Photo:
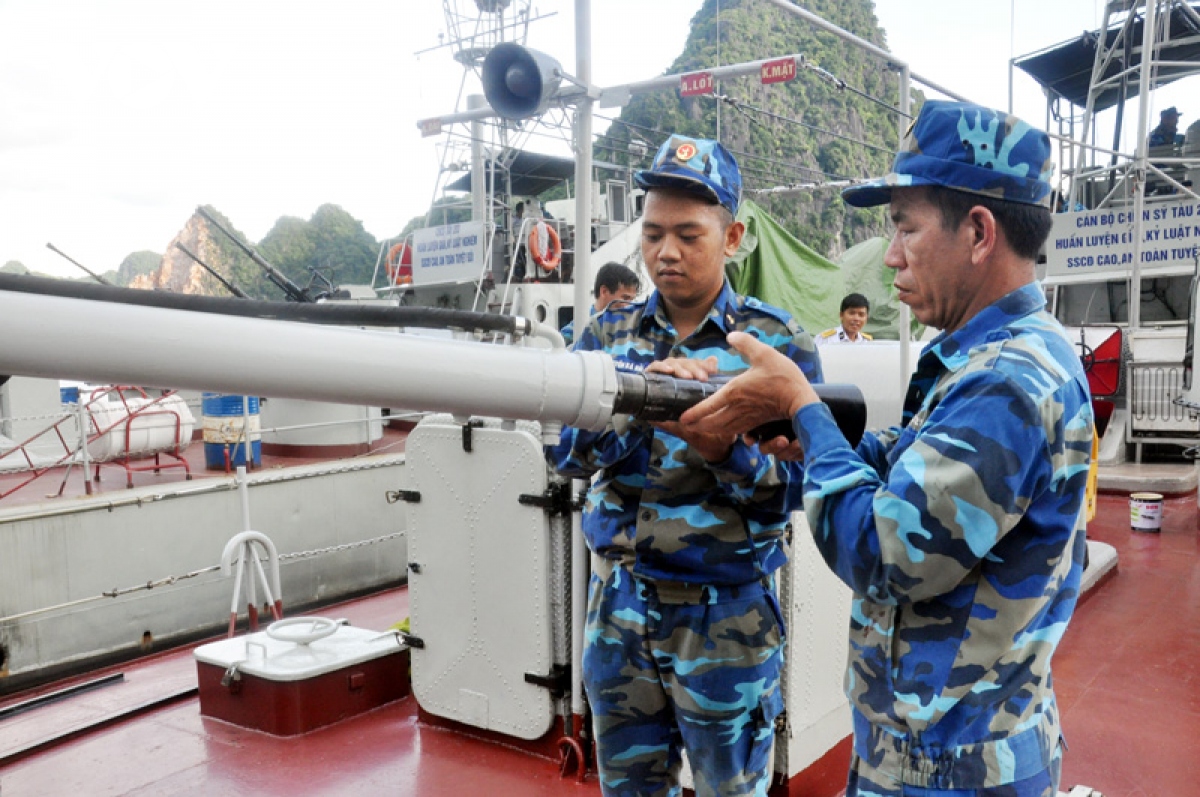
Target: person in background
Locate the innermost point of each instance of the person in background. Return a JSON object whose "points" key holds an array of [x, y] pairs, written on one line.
{"points": [[961, 532], [684, 632], [614, 283], [854, 313], [1167, 131], [520, 258]]}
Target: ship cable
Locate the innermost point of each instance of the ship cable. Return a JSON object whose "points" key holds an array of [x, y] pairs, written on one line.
{"points": [[743, 106], [741, 154], [167, 581], [774, 174]]}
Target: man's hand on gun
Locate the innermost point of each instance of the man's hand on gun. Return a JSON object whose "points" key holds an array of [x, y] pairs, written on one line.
{"points": [[772, 389], [713, 444]]}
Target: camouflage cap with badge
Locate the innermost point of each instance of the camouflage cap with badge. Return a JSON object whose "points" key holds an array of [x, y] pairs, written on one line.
{"points": [[698, 166], [968, 148]]}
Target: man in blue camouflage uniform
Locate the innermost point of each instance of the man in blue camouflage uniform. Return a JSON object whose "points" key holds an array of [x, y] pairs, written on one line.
{"points": [[615, 282], [961, 531], [684, 639], [1167, 132]]}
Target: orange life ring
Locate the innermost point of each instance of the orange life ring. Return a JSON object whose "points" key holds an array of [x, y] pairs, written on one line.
{"points": [[398, 264], [549, 259]]}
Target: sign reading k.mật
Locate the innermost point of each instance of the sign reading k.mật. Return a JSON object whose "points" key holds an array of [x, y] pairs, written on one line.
{"points": [[780, 70], [448, 254], [1100, 242]]}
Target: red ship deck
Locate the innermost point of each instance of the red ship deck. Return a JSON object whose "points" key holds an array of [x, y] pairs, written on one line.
{"points": [[1127, 674]]}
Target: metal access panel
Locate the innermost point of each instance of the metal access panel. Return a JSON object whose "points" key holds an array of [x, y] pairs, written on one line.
{"points": [[479, 575], [816, 609]]}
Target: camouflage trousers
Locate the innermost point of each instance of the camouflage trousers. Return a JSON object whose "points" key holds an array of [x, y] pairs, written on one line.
{"points": [[866, 781], [671, 666]]}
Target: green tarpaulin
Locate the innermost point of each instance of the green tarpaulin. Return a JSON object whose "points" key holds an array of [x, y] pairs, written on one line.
{"points": [[774, 266]]}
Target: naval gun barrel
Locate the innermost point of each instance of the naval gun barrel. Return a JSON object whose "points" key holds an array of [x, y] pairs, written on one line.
{"points": [[76, 263], [229, 286], [63, 330], [293, 291], [114, 342]]}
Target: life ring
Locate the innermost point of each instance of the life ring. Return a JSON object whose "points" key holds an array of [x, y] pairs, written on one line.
{"points": [[398, 264], [549, 259]]}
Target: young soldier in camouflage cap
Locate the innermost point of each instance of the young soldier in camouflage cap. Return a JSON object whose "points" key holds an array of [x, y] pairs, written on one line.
{"points": [[684, 635], [961, 531]]}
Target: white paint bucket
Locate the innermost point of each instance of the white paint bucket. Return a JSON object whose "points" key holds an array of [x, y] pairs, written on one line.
{"points": [[1145, 511]]}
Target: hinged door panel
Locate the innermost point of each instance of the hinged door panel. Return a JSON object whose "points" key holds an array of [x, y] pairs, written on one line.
{"points": [[479, 596]]}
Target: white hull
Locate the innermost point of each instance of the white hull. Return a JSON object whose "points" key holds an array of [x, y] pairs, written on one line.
{"points": [[72, 549]]}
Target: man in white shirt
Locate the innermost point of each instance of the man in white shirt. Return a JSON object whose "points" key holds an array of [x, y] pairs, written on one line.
{"points": [[854, 314]]}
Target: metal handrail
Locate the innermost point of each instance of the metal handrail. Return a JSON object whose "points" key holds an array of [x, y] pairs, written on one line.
{"points": [[1150, 396], [84, 438]]}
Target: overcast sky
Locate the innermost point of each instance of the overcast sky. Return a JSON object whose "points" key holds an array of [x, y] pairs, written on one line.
{"points": [[119, 117]]}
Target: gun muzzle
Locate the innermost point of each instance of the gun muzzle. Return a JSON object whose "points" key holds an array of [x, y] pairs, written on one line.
{"points": [[659, 397]]}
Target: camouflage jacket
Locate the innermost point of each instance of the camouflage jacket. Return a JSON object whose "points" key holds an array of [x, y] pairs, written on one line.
{"points": [[657, 505], [961, 534]]}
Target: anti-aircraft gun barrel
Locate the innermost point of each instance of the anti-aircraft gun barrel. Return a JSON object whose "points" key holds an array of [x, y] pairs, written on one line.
{"points": [[293, 291], [235, 290]]}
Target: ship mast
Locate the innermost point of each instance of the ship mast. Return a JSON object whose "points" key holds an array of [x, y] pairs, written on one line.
{"points": [[473, 28]]}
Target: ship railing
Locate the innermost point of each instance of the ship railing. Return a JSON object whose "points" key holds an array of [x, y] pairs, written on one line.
{"points": [[88, 431], [412, 417], [1154, 417], [166, 581], [391, 272], [485, 267], [509, 295], [1166, 179]]}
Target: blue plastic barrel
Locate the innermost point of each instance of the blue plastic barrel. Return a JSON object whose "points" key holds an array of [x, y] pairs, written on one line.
{"points": [[224, 416]]}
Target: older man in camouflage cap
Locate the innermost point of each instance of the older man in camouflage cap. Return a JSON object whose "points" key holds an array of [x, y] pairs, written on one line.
{"points": [[961, 531], [684, 640]]}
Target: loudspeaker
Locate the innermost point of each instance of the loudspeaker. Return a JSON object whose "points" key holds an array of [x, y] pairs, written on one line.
{"points": [[519, 82]]}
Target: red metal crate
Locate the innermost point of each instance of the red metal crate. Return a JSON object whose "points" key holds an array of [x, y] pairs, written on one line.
{"points": [[286, 689]]}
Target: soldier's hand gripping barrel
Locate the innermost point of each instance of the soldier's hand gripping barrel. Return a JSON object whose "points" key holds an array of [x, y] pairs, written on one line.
{"points": [[660, 397]]}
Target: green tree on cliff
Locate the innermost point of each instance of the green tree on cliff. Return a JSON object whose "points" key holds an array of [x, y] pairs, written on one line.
{"points": [[803, 131]]}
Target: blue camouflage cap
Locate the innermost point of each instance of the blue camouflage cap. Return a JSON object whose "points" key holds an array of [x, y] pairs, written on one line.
{"points": [[698, 166], [967, 148]]}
